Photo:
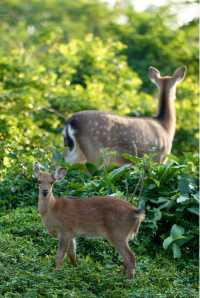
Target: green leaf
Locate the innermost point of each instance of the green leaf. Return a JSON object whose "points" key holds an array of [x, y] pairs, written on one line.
{"points": [[92, 169], [186, 185], [184, 240], [151, 186], [167, 242], [182, 199], [167, 205], [117, 173], [176, 231], [196, 197], [57, 155], [176, 251], [159, 200], [194, 210], [130, 157]]}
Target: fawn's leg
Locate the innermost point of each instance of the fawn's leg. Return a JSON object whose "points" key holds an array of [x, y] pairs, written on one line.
{"points": [[71, 251], [128, 256], [61, 250]]}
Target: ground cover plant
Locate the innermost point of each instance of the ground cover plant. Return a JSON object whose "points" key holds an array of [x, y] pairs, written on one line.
{"points": [[53, 63]]}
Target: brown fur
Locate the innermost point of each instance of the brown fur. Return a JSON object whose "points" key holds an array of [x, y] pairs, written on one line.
{"points": [[94, 131], [112, 218]]}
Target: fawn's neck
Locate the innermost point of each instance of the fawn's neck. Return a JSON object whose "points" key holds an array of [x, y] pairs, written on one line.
{"points": [[166, 111]]}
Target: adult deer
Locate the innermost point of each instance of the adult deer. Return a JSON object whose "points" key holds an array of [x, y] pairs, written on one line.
{"points": [[86, 133], [114, 219]]}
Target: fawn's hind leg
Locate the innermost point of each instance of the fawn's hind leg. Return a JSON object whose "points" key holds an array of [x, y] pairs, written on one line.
{"points": [[66, 244], [128, 256], [71, 251]]}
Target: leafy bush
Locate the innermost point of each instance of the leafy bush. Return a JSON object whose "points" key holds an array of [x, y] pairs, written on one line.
{"points": [[53, 71]]}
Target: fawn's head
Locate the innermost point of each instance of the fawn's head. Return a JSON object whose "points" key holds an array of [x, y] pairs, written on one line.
{"points": [[167, 82], [46, 180]]}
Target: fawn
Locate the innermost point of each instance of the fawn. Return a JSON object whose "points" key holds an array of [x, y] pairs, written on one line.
{"points": [[86, 133], [67, 218]]}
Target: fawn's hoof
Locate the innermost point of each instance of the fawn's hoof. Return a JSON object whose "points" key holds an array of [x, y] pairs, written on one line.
{"points": [[57, 269], [130, 274]]}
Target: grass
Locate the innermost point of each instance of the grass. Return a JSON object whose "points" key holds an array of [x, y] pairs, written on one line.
{"points": [[27, 256]]}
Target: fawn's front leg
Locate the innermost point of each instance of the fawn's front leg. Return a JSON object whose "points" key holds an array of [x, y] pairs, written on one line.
{"points": [[61, 250], [52, 232]]}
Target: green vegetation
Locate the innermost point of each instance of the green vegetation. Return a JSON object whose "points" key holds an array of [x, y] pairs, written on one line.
{"points": [[58, 57]]}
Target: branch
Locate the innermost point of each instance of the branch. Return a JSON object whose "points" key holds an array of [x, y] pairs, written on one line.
{"points": [[51, 110]]}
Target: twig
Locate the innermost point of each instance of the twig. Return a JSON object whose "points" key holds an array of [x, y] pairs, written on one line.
{"points": [[51, 110]]}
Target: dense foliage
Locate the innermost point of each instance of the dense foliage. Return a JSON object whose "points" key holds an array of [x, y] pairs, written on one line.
{"points": [[59, 57]]}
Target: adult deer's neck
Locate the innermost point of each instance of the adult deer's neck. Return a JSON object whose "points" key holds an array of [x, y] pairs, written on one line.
{"points": [[44, 203], [166, 111]]}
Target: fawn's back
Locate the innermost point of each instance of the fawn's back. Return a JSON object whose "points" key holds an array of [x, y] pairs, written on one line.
{"points": [[93, 216]]}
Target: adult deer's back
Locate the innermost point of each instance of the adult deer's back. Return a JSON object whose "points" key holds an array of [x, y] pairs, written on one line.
{"points": [[88, 132]]}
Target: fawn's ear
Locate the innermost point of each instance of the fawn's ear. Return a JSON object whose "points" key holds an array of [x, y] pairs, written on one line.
{"points": [[36, 169], [179, 74], [154, 75], [59, 173]]}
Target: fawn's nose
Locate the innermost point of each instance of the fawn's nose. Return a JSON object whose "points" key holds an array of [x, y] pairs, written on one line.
{"points": [[45, 192]]}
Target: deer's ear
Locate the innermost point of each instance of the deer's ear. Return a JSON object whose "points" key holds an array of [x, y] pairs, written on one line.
{"points": [[154, 75], [179, 74], [36, 169], [59, 173]]}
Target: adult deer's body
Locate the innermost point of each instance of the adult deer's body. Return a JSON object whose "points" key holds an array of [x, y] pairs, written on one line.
{"points": [[87, 132], [114, 219]]}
